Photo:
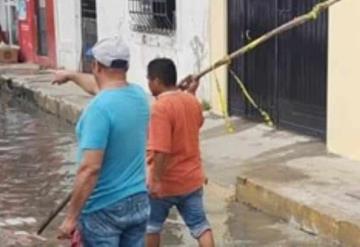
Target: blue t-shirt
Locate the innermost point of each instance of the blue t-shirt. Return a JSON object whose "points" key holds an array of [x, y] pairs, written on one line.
{"points": [[116, 122]]}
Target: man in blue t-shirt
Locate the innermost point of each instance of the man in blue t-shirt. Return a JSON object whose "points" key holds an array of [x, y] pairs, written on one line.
{"points": [[109, 204]]}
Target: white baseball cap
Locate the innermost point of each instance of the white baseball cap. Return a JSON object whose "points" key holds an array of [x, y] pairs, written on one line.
{"points": [[111, 52]]}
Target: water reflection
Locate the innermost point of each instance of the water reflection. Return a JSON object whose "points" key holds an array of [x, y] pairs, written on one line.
{"points": [[37, 154]]}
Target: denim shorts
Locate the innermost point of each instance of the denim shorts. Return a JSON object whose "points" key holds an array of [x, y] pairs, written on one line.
{"points": [[190, 207], [121, 224]]}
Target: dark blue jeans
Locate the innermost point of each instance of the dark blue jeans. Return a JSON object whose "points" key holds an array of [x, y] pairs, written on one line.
{"points": [[122, 224]]}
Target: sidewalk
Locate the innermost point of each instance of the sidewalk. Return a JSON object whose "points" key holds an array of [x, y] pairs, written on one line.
{"points": [[281, 173], [303, 183], [291, 177]]}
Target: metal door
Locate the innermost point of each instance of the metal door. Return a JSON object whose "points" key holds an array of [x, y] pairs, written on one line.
{"points": [[287, 75], [303, 71], [236, 39], [258, 68], [261, 63]]}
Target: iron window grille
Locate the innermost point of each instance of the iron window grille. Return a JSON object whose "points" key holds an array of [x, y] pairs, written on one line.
{"points": [[153, 16]]}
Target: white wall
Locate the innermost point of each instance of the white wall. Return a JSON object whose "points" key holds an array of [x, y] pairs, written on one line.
{"points": [[3, 20], [68, 33], [189, 47]]}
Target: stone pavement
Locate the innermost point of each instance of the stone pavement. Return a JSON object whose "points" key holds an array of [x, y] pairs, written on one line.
{"points": [[286, 175]]}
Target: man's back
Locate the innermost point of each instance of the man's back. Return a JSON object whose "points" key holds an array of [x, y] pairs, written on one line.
{"points": [[175, 123], [117, 120]]}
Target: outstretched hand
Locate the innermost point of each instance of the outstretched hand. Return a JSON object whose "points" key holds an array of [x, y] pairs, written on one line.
{"points": [[60, 77]]}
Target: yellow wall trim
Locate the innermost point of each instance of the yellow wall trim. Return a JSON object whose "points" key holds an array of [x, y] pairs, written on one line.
{"points": [[218, 49], [344, 80]]}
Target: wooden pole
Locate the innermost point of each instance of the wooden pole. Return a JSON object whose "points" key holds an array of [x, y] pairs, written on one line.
{"points": [[297, 21], [53, 214]]}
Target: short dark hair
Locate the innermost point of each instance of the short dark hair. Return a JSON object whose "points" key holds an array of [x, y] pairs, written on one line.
{"points": [[115, 65], [119, 64], [164, 69]]}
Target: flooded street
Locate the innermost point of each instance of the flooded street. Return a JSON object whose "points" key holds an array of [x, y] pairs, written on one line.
{"points": [[37, 166]]}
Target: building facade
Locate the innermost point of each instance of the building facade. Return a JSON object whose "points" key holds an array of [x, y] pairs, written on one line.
{"points": [[156, 28], [306, 79], [67, 22], [30, 25]]}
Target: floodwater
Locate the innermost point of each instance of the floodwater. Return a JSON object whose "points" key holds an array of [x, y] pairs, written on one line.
{"points": [[37, 153], [37, 166]]}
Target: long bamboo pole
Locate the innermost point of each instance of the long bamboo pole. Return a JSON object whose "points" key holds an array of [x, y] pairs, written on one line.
{"points": [[297, 21]]}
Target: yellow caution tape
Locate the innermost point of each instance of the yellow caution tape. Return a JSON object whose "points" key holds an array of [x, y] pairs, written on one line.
{"points": [[264, 114]]}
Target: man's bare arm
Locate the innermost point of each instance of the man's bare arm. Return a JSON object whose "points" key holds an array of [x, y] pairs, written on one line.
{"points": [[161, 161], [85, 182], [85, 81]]}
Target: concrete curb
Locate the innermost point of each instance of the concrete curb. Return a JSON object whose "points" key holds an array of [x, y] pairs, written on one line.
{"points": [[57, 106], [309, 219]]}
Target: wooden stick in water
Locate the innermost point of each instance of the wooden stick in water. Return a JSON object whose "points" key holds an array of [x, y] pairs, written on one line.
{"points": [[53, 214]]}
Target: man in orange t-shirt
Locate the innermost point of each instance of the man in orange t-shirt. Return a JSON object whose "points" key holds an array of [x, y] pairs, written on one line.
{"points": [[176, 175]]}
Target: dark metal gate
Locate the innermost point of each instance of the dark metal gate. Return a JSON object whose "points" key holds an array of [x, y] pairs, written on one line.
{"points": [[89, 31], [288, 75], [42, 39]]}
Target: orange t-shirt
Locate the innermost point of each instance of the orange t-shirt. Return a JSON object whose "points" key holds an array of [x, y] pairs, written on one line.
{"points": [[175, 123]]}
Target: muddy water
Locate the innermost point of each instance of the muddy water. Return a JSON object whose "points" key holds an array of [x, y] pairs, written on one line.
{"points": [[36, 166]]}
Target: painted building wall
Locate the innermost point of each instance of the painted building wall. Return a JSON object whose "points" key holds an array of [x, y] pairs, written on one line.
{"points": [[3, 19], [344, 80], [68, 33], [218, 49], [188, 47]]}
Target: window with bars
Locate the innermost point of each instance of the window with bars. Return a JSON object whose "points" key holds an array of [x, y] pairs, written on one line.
{"points": [[153, 16]]}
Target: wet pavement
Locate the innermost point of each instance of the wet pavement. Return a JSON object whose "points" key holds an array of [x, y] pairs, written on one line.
{"points": [[36, 167], [237, 224], [37, 154]]}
